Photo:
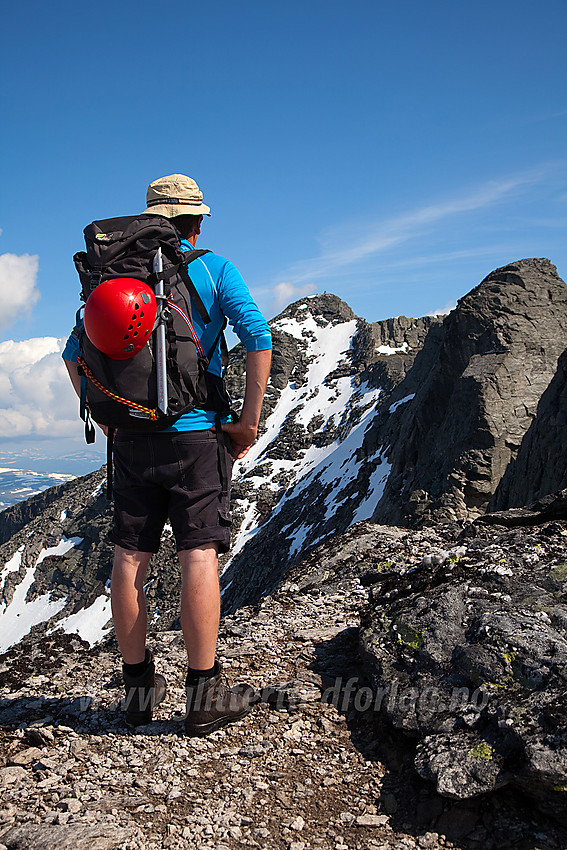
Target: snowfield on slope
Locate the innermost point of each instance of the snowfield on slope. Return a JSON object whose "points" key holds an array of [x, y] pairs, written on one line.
{"points": [[18, 617], [318, 405]]}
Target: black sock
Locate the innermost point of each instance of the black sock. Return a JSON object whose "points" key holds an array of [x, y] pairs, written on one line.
{"points": [[136, 670], [194, 676]]}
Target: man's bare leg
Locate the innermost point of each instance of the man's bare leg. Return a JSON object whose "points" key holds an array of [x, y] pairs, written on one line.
{"points": [[200, 604], [210, 703], [129, 603]]}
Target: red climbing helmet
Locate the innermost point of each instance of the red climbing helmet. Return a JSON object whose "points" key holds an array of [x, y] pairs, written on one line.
{"points": [[119, 316]]}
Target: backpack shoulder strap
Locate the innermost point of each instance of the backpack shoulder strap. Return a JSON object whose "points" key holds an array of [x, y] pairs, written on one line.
{"points": [[189, 256], [193, 255]]}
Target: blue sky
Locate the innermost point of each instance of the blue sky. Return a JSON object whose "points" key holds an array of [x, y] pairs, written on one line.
{"points": [[391, 153]]}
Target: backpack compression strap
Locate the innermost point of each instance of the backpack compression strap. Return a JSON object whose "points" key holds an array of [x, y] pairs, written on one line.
{"points": [[84, 411], [196, 299], [109, 447]]}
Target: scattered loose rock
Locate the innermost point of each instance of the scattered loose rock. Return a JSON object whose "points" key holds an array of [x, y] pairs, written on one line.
{"points": [[313, 765]]}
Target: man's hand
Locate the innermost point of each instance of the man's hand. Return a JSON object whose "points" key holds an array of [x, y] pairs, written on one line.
{"points": [[243, 433], [241, 438]]}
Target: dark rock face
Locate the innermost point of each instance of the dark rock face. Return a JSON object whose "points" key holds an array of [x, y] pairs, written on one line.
{"points": [[550, 507], [540, 466], [499, 349], [467, 651]]}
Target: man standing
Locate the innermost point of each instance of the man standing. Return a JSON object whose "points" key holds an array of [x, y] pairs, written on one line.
{"points": [[178, 473]]}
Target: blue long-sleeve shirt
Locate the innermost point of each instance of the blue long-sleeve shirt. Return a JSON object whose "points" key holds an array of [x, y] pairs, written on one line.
{"points": [[224, 293]]}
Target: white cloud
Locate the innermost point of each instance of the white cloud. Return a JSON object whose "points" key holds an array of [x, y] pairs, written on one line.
{"points": [[388, 233], [18, 290], [36, 396], [481, 251], [443, 311], [285, 293]]}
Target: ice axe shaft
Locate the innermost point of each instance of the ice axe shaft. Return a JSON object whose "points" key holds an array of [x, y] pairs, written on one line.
{"points": [[161, 368]]}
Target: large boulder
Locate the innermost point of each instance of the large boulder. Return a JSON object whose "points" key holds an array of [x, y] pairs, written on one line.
{"points": [[465, 643]]}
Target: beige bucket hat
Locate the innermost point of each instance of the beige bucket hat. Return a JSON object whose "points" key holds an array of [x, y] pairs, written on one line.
{"points": [[175, 195]]}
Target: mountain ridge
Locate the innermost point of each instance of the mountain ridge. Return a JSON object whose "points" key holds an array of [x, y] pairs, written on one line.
{"points": [[366, 421]]}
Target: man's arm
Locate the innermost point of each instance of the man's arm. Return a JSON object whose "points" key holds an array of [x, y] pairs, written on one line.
{"points": [[73, 370], [243, 433]]}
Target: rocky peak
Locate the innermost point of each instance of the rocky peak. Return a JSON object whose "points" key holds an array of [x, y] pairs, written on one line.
{"points": [[323, 309], [497, 354]]}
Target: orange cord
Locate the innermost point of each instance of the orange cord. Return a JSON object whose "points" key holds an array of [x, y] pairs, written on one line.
{"points": [[153, 414]]}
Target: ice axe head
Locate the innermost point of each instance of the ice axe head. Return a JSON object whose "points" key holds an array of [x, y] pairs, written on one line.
{"points": [[119, 316]]}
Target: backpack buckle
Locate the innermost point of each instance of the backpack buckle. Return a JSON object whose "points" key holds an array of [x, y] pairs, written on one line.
{"points": [[95, 278]]}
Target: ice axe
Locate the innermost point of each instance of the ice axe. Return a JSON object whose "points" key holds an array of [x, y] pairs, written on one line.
{"points": [[162, 400]]}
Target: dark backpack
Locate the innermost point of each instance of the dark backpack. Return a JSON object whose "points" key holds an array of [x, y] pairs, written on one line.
{"points": [[123, 393]]}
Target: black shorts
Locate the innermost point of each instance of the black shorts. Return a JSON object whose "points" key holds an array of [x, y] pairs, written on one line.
{"points": [[175, 476]]}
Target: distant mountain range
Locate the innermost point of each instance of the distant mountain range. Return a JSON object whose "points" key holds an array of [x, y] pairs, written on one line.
{"points": [[19, 484], [23, 473]]}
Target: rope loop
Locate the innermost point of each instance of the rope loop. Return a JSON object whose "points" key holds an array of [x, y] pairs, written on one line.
{"points": [[153, 414]]}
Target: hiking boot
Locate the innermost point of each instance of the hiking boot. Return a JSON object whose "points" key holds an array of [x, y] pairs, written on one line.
{"points": [[212, 704], [143, 694]]}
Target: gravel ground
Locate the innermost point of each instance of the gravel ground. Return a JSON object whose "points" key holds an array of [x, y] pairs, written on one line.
{"points": [[306, 769]]}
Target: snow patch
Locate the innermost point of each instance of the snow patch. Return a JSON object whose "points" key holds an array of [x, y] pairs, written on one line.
{"points": [[315, 398], [300, 328], [247, 528], [224, 589], [12, 566], [64, 545], [89, 622], [375, 491], [387, 349], [18, 618], [342, 468], [401, 401]]}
